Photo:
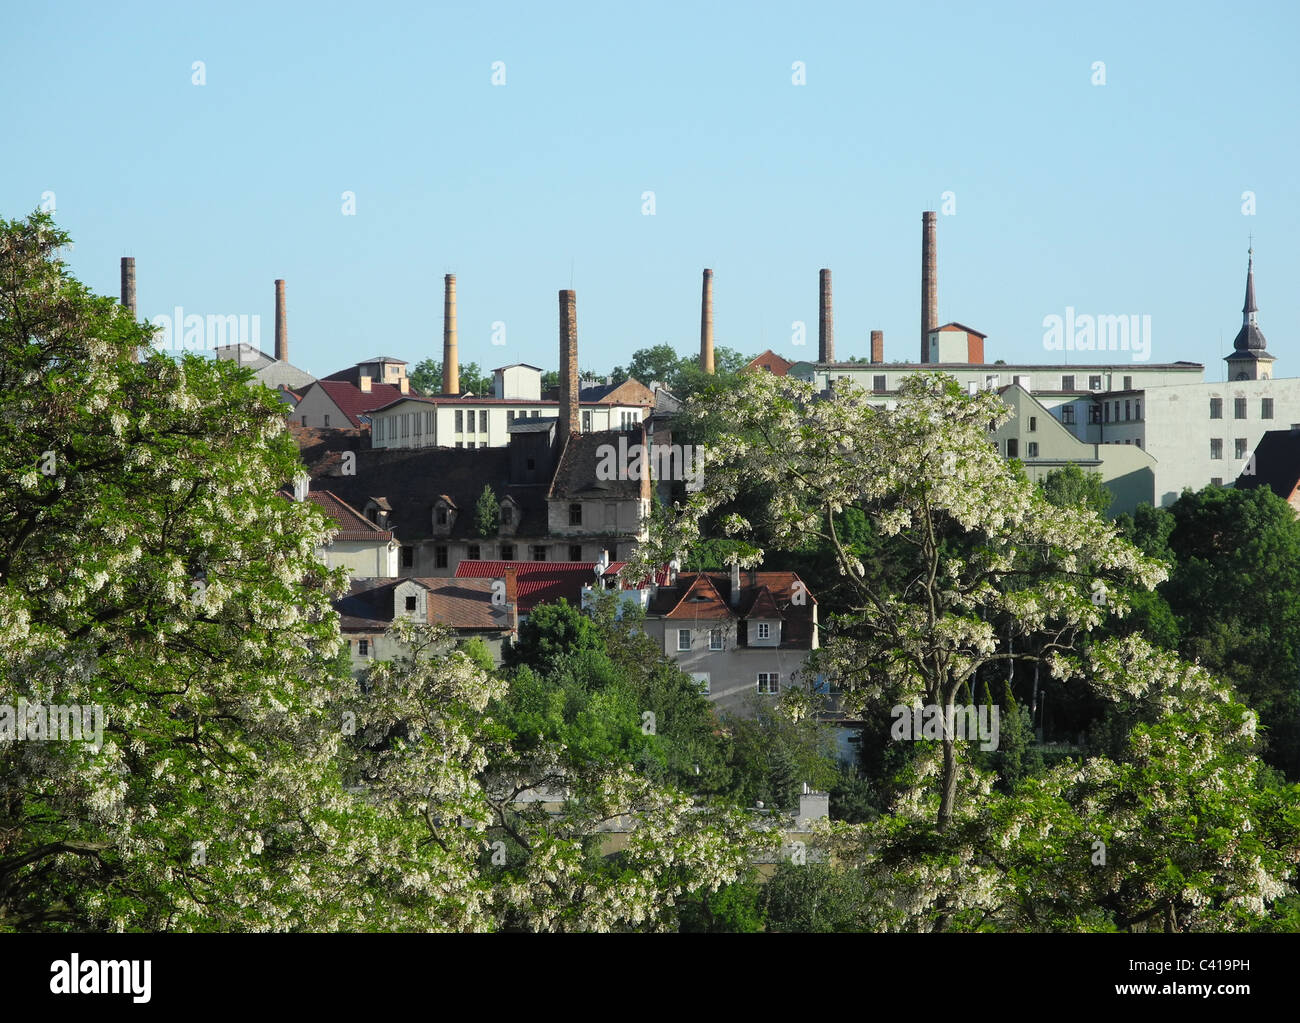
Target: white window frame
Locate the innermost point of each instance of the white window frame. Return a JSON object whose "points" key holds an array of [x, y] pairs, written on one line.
{"points": [[702, 680], [683, 634], [770, 679], [764, 630], [715, 633]]}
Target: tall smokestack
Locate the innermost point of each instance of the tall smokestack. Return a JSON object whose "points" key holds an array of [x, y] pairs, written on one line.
{"points": [[450, 357], [569, 395], [877, 346], [929, 280], [128, 284], [281, 325], [706, 323], [128, 294], [825, 322]]}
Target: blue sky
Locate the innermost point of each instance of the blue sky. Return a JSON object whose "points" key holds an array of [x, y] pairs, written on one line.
{"points": [[1122, 198]]}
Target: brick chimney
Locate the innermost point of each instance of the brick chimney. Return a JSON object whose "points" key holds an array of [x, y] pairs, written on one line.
{"points": [[364, 384], [512, 597], [877, 346], [929, 281], [735, 585], [281, 325], [450, 358], [825, 322], [569, 389], [706, 323]]}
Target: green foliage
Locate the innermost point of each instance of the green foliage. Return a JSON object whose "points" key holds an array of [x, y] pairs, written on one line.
{"points": [[487, 513], [814, 898], [477, 651], [732, 909], [1071, 487], [427, 378], [550, 631], [774, 756]]}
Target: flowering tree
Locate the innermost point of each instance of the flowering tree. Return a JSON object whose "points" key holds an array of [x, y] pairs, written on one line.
{"points": [[151, 567], [985, 571]]}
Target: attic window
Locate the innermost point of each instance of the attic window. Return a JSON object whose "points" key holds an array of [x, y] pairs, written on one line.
{"points": [[410, 603], [440, 516], [507, 515]]}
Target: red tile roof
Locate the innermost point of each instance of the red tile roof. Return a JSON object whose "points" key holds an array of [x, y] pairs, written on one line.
{"points": [[539, 582], [770, 361], [353, 402]]}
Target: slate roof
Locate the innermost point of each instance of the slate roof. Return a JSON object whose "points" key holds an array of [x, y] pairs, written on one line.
{"points": [[575, 476], [412, 480], [767, 595], [539, 582], [351, 524], [458, 603], [1277, 464]]}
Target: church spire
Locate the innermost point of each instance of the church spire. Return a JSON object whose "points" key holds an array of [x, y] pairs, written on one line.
{"points": [[1249, 310]]}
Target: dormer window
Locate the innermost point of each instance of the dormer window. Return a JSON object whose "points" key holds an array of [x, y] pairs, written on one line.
{"points": [[444, 516], [440, 515], [507, 515]]}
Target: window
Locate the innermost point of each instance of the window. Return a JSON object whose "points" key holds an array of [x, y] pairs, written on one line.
{"points": [[1265, 408], [363, 647], [702, 679], [1013, 448], [510, 417], [408, 557], [304, 420], [1117, 411], [1033, 424], [1128, 383], [575, 515], [1138, 441], [1067, 415], [878, 382], [440, 557], [1216, 448], [459, 444], [1216, 408], [715, 639], [539, 552], [1216, 481], [1137, 408], [575, 552], [460, 420], [1094, 414], [611, 514], [683, 639], [1094, 383], [769, 682], [1033, 449], [586, 422], [991, 381], [482, 421], [507, 515], [472, 552], [469, 425], [1067, 383], [764, 630], [1128, 409], [1238, 408], [1239, 447], [1106, 406], [440, 515], [536, 413], [327, 420], [410, 603], [507, 552]]}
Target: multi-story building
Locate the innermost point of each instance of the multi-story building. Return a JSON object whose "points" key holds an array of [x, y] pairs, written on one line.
{"points": [[1195, 432]]}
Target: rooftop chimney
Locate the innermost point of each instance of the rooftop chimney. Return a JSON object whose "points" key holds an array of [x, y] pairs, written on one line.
{"points": [[735, 585], [877, 346], [364, 384], [512, 596], [450, 358], [281, 325], [929, 281], [825, 325], [706, 323], [569, 390]]}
